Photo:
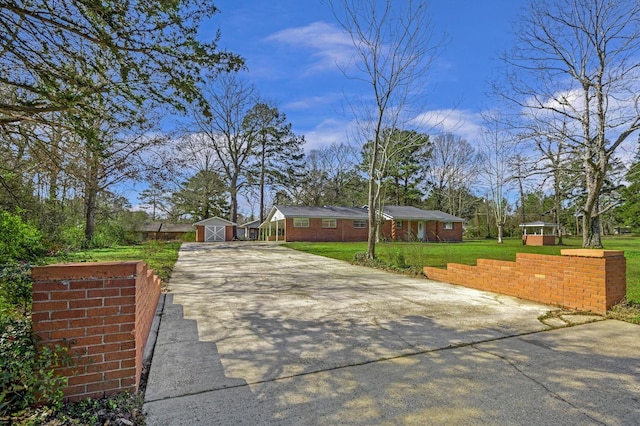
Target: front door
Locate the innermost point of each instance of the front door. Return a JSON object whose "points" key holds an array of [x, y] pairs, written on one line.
{"points": [[421, 230], [214, 233]]}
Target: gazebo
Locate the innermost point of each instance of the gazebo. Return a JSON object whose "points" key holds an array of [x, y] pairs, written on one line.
{"points": [[543, 233]]}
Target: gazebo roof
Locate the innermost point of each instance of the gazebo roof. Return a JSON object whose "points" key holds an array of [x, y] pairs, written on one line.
{"points": [[538, 224]]}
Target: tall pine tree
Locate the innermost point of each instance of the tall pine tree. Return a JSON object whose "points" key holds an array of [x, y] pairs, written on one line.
{"points": [[278, 151]]}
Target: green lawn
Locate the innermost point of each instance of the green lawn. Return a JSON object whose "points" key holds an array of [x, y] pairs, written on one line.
{"points": [[159, 256], [417, 255]]}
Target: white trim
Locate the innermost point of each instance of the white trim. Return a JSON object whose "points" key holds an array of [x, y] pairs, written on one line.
{"points": [[330, 223], [301, 222], [215, 233], [364, 221]]}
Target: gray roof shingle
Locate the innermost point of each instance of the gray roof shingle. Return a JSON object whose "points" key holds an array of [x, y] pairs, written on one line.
{"points": [[414, 213], [328, 212]]}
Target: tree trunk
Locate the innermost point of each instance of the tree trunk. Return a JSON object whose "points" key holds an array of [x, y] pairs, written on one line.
{"points": [[90, 202], [397, 191], [372, 200], [500, 232], [522, 199], [488, 217], [591, 237], [591, 232], [233, 193], [557, 209], [262, 173], [90, 199], [371, 238]]}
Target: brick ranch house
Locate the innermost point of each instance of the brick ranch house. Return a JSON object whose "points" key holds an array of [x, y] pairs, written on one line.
{"points": [[332, 223]]}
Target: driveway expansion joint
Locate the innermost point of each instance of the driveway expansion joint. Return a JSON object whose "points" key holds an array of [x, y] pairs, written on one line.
{"points": [[533, 380], [356, 364]]}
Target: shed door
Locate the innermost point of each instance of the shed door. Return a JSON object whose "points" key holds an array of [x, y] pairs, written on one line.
{"points": [[214, 233]]}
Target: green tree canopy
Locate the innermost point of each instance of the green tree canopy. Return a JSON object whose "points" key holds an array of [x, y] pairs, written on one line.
{"points": [[133, 50], [200, 197]]}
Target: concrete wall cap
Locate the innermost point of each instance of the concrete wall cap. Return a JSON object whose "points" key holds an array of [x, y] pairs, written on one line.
{"points": [[592, 253], [70, 271]]}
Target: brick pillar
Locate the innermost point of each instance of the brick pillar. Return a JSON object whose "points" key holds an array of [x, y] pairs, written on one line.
{"points": [[105, 311], [596, 278]]}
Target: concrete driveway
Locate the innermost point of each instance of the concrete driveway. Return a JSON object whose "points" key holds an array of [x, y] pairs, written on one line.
{"points": [[259, 334]]}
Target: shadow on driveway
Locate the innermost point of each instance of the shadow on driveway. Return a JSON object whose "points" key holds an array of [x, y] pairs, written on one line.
{"points": [[264, 335]]}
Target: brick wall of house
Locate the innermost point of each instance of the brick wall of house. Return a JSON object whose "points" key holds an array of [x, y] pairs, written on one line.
{"points": [[105, 310], [344, 231], [586, 280]]}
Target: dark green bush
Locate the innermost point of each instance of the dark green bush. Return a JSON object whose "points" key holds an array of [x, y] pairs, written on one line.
{"points": [[15, 289], [27, 375]]}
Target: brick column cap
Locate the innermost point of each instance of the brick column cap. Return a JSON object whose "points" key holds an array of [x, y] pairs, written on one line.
{"points": [[592, 253], [66, 271]]}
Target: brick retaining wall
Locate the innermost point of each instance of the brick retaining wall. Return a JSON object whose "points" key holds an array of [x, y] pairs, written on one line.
{"points": [[105, 310], [586, 280]]}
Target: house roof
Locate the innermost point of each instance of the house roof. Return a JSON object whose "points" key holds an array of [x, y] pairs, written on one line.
{"points": [[252, 224], [212, 220], [336, 212], [164, 227], [149, 227], [176, 227], [414, 213], [328, 212]]}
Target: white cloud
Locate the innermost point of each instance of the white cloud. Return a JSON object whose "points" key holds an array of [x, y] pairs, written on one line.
{"points": [[328, 45], [312, 102], [466, 124], [326, 133]]}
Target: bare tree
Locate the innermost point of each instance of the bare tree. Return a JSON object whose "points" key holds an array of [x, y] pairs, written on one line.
{"points": [[453, 168], [393, 49], [521, 165], [576, 63], [230, 99], [498, 151], [556, 166], [330, 176]]}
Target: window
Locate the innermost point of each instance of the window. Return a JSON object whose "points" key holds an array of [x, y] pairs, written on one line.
{"points": [[329, 223], [300, 222], [398, 224], [448, 225], [359, 223]]}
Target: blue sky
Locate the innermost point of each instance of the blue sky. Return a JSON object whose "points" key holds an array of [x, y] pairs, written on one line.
{"points": [[291, 48]]}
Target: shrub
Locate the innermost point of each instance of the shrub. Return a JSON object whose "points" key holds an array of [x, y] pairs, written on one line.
{"points": [[72, 237], [15, 288], [27, 376], [19, 241]]}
